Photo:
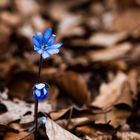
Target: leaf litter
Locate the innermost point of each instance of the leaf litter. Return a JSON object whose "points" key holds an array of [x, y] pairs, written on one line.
{"points": [[94, 81]]}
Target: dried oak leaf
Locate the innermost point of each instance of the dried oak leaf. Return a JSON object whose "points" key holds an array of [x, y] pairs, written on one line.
{"points": [[110, 93], [5, 128], [115, 117], [75, 112], [19, 136], [106, 39], [21, 86], [133, 57], [128, 136], [125, 100], [131, 16], [133, 81], [71, 24], [53, 95], [70, 124], [86, 130], [6, 66], [75, 86], [31, 7], [56, 132], [73, 116], [10, 19], [4, 3], [16, 109], [94, 130], [115, 52]]}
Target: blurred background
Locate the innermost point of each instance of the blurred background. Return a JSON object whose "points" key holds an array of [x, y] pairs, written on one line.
{"points": [[98, 62]]}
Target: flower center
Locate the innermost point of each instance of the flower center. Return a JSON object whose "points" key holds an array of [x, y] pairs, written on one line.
{"points": [[43, 47]]}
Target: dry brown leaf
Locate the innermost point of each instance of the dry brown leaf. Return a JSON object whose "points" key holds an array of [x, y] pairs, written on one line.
{"points": [[75, 86], [55, 132], [4, 129], [109, 54], [73, 122], [6, 66], [61, 10], [26, 119], [133, 81], [106, 39], [57, 115], [71, 24], [49, 72], [128, 136], [24, 80], [78, 61], [96, 130], [100, 136], [4, 3], [72, 112], [31, 7], [109, 93], [86, 130], [133, 56], [10, 19], [38, 23], [16, 109], [19, 136], [122, 21], [126, 97], [53, 95], [116, 117], [26, 30]]}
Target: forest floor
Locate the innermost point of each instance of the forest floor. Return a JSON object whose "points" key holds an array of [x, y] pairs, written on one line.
{"points": [[94, 80]]}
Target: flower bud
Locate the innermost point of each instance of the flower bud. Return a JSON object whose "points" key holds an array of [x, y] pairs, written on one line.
{"points": [[40, 91]]}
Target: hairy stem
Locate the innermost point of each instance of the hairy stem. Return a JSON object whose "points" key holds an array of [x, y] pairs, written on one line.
{"points": [[36, 102]]}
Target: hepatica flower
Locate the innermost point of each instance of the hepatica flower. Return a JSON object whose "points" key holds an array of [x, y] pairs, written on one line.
{"points": [[44, 44], [40, 91]]}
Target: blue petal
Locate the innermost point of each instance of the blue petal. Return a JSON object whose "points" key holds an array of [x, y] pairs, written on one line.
{"points": [[51, 40], [52, 51], [37, 93], [43, 97], [35, 41], [36, 48], [45, 91], [40, 98], [39, 37], [45, 54], [40, 85], [40, 51], [47, 34], [57, 45]]}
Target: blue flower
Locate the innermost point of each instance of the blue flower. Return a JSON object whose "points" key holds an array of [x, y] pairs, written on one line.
{"points": [[40, 91], [44, 44]]}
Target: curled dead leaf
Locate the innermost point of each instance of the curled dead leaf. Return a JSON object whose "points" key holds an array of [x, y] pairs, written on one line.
{"points": [[109, 54], [55, 132], [109, 93], [75, 86]]}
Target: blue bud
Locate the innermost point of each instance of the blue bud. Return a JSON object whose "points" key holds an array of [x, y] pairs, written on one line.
{"points": [[43, 120], [40, 91]]}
